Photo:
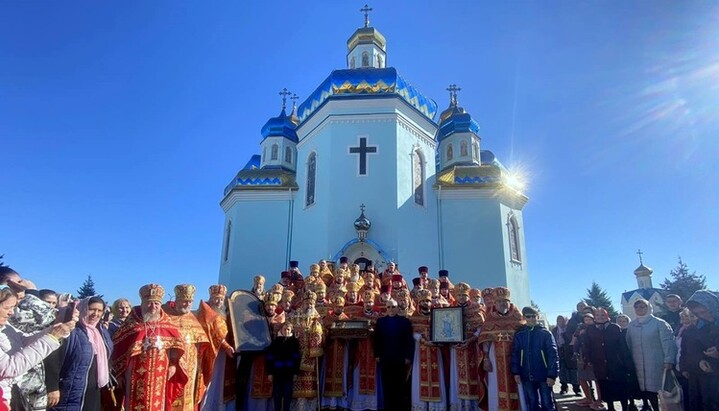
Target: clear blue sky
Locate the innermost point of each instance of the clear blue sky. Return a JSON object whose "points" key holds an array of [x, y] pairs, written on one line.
{"points": [[121, 123]]}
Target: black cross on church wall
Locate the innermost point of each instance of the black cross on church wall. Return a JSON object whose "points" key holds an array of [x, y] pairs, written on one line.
{"points": [[363, 150]]}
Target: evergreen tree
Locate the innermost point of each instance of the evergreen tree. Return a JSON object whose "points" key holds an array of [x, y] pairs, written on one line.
{"points": [[534, 305], [87, 289], [597, 297], [683, 283]]}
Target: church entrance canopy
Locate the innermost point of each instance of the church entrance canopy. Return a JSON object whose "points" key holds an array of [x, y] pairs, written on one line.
{"points": [[362, 252]]}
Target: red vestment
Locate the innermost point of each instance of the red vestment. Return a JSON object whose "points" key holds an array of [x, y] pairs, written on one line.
{"points": [[430, 388], [143, 349], [499, 329]]}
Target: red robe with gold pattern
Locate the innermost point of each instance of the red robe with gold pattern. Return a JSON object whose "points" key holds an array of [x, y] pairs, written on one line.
{"points": [[334, 361], [499, 329], [142, 356], [430, 387], [470, 356]]}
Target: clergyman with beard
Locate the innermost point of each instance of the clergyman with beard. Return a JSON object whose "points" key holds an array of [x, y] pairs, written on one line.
{"points": [[196, 364], [147, 352]]}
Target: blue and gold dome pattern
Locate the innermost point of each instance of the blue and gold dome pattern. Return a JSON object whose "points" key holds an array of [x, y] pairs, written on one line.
{"points": [[365, 82]]}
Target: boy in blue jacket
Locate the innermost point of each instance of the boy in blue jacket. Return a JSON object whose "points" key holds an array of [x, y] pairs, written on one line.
{"points": [[535, 362]]}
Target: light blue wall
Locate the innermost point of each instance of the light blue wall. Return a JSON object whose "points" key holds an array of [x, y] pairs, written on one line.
{"points": [[387, 191], [258, 242], [476, 248]]}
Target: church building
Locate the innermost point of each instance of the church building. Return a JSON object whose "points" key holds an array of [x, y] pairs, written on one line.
{"points": [[366, 168]]}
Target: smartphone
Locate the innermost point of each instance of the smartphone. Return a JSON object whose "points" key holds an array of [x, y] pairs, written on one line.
{"points": [[70, 311], [106, 316]]}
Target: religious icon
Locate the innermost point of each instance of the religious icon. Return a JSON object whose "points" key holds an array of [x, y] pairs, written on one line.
{"points": [[249, 324], [447, 325]]}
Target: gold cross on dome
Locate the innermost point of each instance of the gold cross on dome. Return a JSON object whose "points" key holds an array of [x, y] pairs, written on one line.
{"points": [[366, 9]]}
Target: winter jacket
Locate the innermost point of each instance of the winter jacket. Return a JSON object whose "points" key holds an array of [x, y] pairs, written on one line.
{"points": [[606, 351], [75, 359], [283, 357], [19, 353], [534, 354], [651, 343]]}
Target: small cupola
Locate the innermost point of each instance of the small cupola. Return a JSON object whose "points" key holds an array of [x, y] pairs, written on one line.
{"points": [[279, 139], [457, 134], [362, 225], [643, 273], [367, 47]]}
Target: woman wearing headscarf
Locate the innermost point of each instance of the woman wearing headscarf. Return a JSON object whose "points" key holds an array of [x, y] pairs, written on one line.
{"points": [[699, 359], [607, 354], [651, 343], [84, 361]]}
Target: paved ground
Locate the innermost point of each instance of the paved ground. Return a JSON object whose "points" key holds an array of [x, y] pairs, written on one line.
{"points": [[567, 402]]}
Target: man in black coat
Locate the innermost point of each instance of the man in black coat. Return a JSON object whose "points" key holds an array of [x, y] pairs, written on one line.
{"points": [[283, 363], [393, 350]]}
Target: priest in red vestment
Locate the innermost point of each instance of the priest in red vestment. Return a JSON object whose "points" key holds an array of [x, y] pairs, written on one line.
{"points": [[501, 322], [147, 353]]}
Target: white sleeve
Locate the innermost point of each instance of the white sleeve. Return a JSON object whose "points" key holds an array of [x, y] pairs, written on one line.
{"points": [[19, 363]]}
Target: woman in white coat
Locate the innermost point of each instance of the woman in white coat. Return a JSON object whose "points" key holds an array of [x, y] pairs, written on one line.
{"points": [[20, 352], [651, 342]]}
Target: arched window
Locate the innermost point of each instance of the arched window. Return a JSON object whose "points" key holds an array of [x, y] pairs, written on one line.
{"points": [[513, 231], [311, 174], [228, 234], [352, 62], [450, 152], [288, 155], [274, 154], [379, 61], [365, 59], [418, 177], [463, 148], [264, 154], [475, 151]]}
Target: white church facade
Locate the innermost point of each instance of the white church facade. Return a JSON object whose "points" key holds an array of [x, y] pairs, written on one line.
{"points": [[368, 143]]}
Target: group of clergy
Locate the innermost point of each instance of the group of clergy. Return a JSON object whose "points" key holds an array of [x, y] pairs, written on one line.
{"points": [[337, 372], [168, 357], [165, 354]]}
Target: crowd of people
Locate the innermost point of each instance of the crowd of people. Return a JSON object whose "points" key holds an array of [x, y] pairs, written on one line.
{"points": [[348, 338], [628, 361]]}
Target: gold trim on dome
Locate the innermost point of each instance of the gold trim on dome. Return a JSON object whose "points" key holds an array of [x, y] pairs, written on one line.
{"points": [[363, 87], [367, 35]]}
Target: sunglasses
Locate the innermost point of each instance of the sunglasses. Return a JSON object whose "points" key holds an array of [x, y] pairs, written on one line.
{"points": [[530, 316]]}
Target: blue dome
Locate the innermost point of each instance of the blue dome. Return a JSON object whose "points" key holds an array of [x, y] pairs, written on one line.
{"points": [[458, 122], [282, 126]]}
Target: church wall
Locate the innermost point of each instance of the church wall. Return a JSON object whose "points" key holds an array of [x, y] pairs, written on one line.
{"points": [[258, 242], [475, 244], [517, 274], [417, 224], [311, 223], [322, 229]]}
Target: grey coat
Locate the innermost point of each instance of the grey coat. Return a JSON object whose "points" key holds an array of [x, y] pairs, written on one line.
{"points": [[652, 345]]}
